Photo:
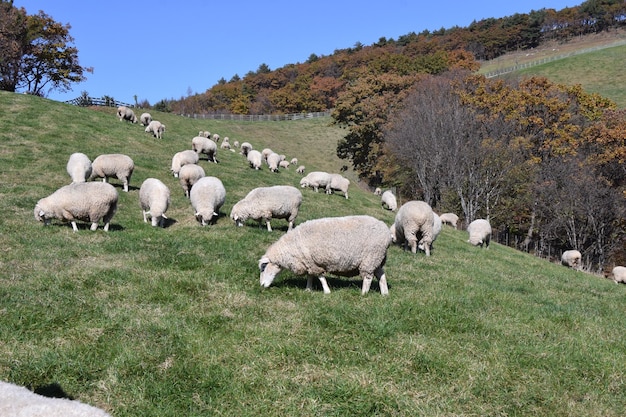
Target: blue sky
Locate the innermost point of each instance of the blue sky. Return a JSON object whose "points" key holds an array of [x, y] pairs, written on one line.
{"points": [[166, 50]]}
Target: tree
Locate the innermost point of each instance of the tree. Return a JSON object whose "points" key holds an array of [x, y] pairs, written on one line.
{"points": [[37, 53]]}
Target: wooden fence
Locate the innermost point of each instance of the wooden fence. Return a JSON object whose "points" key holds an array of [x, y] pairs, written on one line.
{"points": [[93, 101]]}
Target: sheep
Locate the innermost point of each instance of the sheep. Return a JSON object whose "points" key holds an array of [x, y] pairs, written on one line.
{"points": [[479, 233], [236, 144], [284, 164], [254, 159], [207, 196], [216, 138], [188, 175], [273, 160], [300, 170], [84, 201], [265, 153], [618, 274], [315, 180], [145, 119], [572, 259], [156, 128], [294, 161], [126, 113], [378, 191], [414, 220], [388, 200], [183, 158], [19, 401], [450, 218], [79, 167], [338, 183], [154, 200], [346, 246], [437, 226], [265, 203], [225, 144], [202, 145], [205, 134], [245, 148], [115, 165]]}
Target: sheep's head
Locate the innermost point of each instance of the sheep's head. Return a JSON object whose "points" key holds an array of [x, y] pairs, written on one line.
{"points": [[304, 183], [40, 215], [268, 271]]}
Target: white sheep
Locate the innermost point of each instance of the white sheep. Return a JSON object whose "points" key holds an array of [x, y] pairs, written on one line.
{"points": [[338, 183], [413, 226], [265, 203], [216, 138], [479, 233], [154, 200], [18, 401], [183, 158], [572, 258], [255, 159], [273, 160], [245, 148], [202, 145], [618, 274], [207, 196], [188, 175], [79, 167], [265, 153], [300, 170], [113, 165], [450, 218], [284, 164], [388, 200], [346, 246], [225, 144], [378, 191], [145, 119], [236, 144], [156, 128], [294, 161], [316, 180], [84, 201], [126, 113]]}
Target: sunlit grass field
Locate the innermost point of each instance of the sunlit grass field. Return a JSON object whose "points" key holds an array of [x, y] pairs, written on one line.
{"points": [[143, 321]]}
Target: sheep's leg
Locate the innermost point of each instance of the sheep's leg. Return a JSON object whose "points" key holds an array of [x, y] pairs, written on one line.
{"points": [[267, 223], [413, 244], [309, 283], [126, 186], [367, 283], [382, 281], [324, 284], [145, 218], [105, 228], [94, 226], [74, 227], [290, 225]]}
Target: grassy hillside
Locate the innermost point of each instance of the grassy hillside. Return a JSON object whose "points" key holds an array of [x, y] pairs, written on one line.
{"points": [[170, 322], [600, 70]]}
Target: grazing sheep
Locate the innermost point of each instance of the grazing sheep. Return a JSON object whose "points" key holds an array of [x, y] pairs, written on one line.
{"points": [[202, 145], [265, 153], [413, 225], [154, 200], [79, 167], [207, 196], [479, 233], [283, 164], [18, 401], [245, 148], [618, 274], [338, 183], [205, 134], [378, 191], [236, 144], [300, 170], [254, 159], [188, 175], [346, 246], [388, 200], [156, 128], [225, 144], [84, 201], [112, 165], [273, 160], [145, 119], [572, 259], [183, 158], [450, 218], [216, 138], [294, 161], [265, 203], [126, 113], [315, 180]]}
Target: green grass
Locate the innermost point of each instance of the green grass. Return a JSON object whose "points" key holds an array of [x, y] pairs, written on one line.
{"points": [[170, 322]]}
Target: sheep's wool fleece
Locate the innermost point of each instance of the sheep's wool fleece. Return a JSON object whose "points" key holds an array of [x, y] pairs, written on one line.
{"points": [[340, 245], [16, 401]]}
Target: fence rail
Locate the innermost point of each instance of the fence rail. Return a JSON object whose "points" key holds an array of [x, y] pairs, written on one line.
{"points": [[94, 101]]}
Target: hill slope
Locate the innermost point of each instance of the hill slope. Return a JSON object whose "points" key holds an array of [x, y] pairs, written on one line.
{"points": [[170, 322]]}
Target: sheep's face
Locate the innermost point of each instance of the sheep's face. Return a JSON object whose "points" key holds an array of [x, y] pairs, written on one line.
{"points": [[268, 272], [40, 215], [304, 183]]}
